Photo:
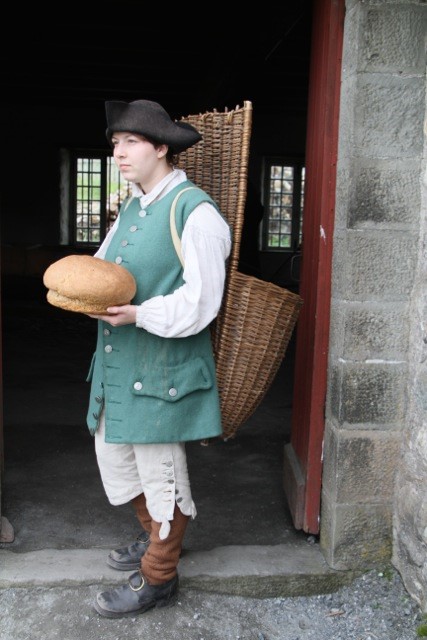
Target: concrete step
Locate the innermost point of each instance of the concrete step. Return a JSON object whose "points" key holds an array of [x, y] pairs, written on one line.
{"points": [[250, 571]]}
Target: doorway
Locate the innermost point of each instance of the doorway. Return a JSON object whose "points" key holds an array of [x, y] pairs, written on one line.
{"points": [[45, 359], [52, 491]]}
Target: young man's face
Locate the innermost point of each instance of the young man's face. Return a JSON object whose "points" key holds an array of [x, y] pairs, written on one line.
{"points": [[137, 159]]}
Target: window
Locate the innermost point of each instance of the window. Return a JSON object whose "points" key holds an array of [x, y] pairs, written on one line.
{"points": [[96, 191], [284, 183]]}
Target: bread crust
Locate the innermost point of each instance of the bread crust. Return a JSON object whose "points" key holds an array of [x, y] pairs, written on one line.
{"points": [[86, 284]]}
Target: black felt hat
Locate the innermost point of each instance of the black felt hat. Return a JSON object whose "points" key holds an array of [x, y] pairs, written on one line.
{"points": [[149, 119]]}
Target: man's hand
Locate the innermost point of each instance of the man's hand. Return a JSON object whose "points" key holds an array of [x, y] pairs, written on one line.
{"points": [[118, 316]]}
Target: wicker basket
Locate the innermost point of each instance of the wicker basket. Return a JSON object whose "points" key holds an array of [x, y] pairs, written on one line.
{"points": [[256, 319]]}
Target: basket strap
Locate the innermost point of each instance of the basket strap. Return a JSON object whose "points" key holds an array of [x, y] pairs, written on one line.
{"points": [[174, 233], [127, 203]]}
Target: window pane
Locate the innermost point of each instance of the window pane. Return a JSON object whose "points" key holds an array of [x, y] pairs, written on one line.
{"points": [[301, 204], [82, 222], [95, 222], [285, 242], [284, 209], [281, 181], [88, 199], [285, 228], [274, 226], [81, 235], [99, 193], [276, 172], [286, 200], [94, 235], [117, 191]]}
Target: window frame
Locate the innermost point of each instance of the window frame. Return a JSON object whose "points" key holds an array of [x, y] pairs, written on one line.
{"points": [[110, 202], [298, 164], [92, 154]]}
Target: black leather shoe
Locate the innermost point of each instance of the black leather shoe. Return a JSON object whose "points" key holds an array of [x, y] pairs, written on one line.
{"points": [[135, 597], [129, 558]]}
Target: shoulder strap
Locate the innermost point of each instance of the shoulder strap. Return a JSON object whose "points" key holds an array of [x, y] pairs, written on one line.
{"points": [[127, 202], [174, 233]]}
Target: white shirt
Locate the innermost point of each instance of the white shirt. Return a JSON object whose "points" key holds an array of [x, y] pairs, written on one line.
{"points": [[206, 245]]}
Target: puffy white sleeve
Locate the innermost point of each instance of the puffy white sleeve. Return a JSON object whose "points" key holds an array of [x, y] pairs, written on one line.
{"points": [[206, 245]]}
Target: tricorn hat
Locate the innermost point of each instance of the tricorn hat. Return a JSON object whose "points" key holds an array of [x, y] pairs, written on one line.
{"points": [[149, 119]]}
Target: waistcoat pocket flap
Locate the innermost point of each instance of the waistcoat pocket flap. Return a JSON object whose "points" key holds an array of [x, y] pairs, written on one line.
{"points": [[175, 382]]}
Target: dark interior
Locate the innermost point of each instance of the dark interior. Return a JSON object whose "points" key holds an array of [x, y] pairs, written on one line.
{"points": [[76, 56], [58, 69], [61, 65]]}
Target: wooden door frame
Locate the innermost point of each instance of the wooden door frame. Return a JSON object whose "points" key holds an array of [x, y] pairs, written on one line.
{"points": [[304, 453]]}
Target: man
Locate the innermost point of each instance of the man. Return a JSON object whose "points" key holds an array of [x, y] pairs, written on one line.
{"points": [[153, 382]]}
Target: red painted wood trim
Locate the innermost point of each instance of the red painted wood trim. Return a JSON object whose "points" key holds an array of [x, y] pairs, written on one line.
{"points": [[308, 414]]}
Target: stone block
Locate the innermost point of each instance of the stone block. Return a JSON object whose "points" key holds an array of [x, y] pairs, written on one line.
{"points": [[373, 394], [355, 536], [352, 27], [336, 328], [345, 180], [413, 576], [333, 397], [385, 194], [393, 39], [349, 87], [391, 2], [389, 113], [351, 5], [339, 278], [421, 389], [330, 469], [411, 513], [381, 265], [373, 330], [360, 467]]}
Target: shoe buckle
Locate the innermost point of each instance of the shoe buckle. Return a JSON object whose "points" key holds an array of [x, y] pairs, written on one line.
{"points": [[142, 540], [140, 586]]}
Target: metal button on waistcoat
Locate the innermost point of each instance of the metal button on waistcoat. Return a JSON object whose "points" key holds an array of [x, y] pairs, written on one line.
{"points": [[172, 392], [137, 386], [108, 348], [142, 213], [95, 415], [118, 260], [98, 399], [106, 332], [133, 228], [124, 243]]}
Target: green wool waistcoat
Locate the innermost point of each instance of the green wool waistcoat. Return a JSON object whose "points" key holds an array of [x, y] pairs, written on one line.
{"points": [[153, 389]]}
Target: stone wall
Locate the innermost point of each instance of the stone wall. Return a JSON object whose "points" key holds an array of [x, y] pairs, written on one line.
{"points": [[376, 268], [410, 516]]}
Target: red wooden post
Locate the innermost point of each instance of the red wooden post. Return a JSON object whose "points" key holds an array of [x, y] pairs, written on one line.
{"points": [[303, 456]]}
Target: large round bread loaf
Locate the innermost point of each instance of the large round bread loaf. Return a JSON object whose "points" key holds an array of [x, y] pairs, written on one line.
{"points": [[87, 284]]}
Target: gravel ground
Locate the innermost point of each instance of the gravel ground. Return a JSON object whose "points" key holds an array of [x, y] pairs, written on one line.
{"points": [[375, 606]]}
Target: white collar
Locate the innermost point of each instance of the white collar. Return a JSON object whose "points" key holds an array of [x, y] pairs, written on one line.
{"points": [[161, 188]]}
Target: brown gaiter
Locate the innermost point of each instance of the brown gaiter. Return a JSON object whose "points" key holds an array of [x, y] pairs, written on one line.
{"points": [[160, 561], [142, 512]]}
